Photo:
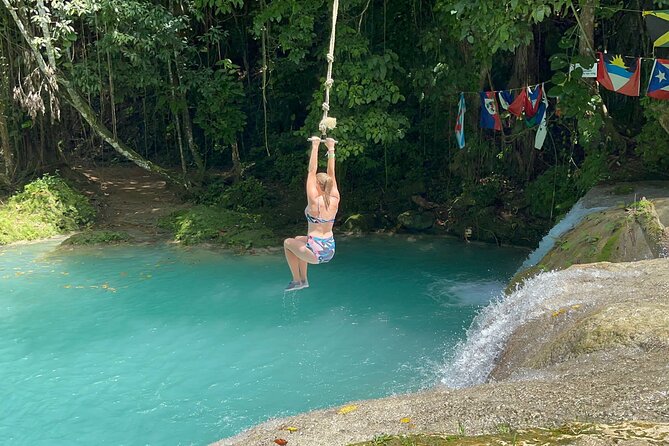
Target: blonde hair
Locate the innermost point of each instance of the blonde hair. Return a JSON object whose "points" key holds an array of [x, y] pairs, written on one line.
{"points": [[325, 183]]}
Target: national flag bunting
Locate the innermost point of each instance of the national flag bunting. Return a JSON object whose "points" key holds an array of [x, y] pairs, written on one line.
{"points": [[533, 100], [541, 118], [518, 105], [505, 98], [658, 87], [614, 74], [489, 112], [460, 123], [657, 23]]}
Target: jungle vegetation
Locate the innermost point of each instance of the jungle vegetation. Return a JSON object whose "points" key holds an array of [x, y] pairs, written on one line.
{"points": [[219, 96]]}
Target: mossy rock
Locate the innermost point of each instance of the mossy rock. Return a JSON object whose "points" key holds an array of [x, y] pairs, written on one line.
{"points": [[643, 325], [357, 224], [614, 235], [98, 238], [416, 221]]}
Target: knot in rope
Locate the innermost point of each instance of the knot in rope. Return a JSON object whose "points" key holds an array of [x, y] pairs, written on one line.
{"points": [[329, 82], [326, 106], [330, 57]]}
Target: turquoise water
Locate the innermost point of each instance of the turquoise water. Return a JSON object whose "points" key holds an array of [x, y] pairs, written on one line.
{"points": [[167, 346]]}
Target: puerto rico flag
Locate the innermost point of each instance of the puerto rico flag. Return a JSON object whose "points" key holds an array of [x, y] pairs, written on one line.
{"points": [[489, 114], [658, 87], [460, 123], [615, 75]]}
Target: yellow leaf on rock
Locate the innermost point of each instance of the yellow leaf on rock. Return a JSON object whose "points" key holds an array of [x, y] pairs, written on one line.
{"points": [[291, 429], [405, 420], [348, 409]]}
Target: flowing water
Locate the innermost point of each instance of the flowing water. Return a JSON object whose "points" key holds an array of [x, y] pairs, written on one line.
{"points": [[164, 345]]}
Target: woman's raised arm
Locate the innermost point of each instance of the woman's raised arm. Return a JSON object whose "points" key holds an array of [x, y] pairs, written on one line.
{"points": [[312, 184]]}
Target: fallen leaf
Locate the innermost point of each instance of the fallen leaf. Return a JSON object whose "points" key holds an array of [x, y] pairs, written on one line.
{"points": [[281, 441], [405, 420], [291, 429], [348, 409]]}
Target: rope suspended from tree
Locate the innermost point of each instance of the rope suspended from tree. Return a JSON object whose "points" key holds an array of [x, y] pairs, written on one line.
{"points": [[329, 122]]}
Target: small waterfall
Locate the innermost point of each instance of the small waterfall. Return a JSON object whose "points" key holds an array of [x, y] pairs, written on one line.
{"points": [[573, 217], [474, 358]]}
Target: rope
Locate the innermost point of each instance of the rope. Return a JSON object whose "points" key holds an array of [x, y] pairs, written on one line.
{"points": [[329, 122]]}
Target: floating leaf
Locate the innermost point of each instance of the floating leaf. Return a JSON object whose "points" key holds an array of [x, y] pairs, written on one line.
{"points": [[348, 409]]}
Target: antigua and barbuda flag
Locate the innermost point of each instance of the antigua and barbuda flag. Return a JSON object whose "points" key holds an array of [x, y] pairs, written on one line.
{"points": [[658, 87], [533, 100], [616, 75], [657, 23], [489, 111], [460, 123], [541, 117]]}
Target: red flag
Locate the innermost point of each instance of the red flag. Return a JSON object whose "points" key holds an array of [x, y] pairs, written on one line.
{"points": [[518, 104]]}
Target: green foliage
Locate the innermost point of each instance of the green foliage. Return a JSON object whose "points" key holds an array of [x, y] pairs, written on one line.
{"points": [[244, 195], [206, 224], [553, 193], [46, 207], [218, 110], [90, 237], [652, 145]]}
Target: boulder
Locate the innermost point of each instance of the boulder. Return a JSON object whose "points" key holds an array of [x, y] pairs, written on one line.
{"points": [[416, 221]]}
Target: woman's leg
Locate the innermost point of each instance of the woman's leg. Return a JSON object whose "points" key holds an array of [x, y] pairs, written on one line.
{"points": [[302, 263], [292, 260]]}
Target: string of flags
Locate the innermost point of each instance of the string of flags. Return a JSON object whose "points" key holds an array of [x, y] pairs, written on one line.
{"points": [[621, 74]]}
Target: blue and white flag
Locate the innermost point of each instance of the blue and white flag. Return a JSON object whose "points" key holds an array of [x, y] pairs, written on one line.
{"points": [[460, 123], [540, 117]]}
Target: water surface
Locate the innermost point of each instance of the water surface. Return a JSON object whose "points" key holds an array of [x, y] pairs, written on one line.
{"points": [[165, 345]]}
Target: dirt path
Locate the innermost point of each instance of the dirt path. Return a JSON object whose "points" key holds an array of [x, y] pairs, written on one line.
{"points": [[130, 199]]}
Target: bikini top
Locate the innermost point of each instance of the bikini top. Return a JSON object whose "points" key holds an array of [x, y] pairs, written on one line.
{"points": [[312, 219]]}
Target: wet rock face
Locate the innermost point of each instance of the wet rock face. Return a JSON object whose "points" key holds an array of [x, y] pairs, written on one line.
{"points": [[630, 312]]}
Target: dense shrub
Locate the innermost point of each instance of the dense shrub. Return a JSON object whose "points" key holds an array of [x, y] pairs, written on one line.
{"points": [[48, 206], [244, 195]]}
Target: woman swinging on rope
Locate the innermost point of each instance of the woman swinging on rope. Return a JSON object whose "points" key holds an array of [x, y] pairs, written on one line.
{"points": [[323, 199]]}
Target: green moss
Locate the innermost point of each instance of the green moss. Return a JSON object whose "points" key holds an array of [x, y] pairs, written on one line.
{"points": [[507, 435], [205, 224], [98, 238], [606, 253], [46, 207], [623, 189]]}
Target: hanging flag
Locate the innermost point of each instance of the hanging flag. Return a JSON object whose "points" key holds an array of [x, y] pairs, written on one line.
{"points": [[542, 115], [658, 87], [657, 23], [535, 120], [615, 75], [518, 105], [460, 123], [505, 98], [489, 114], [533, 100]]}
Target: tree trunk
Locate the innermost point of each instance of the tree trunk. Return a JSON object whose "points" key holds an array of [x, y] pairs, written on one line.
{"points": [[5, 142], [236, 161]]}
